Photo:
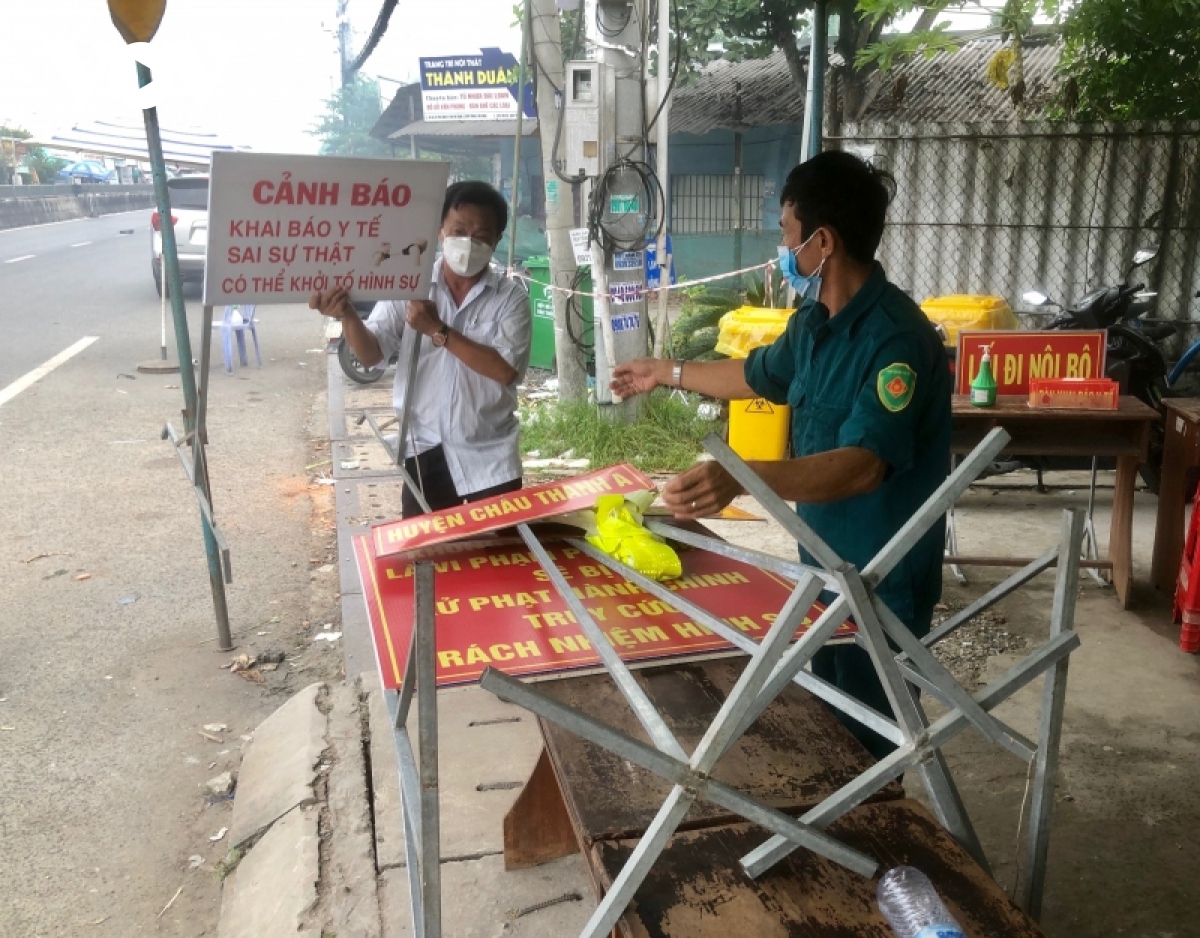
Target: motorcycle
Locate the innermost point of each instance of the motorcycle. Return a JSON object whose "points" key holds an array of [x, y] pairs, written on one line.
{"points": [[352, 368], [1134, 359]]}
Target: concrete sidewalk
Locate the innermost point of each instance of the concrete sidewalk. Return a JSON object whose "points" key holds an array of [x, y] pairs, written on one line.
{"points": [[1126, 825]]}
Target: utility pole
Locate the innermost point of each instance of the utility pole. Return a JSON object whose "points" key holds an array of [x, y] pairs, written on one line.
{"points": [[343, 24], [546, 41], [624, 202], [662, 142]]}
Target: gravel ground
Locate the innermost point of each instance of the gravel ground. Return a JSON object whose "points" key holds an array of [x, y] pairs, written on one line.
{"points": [[965, 652]]}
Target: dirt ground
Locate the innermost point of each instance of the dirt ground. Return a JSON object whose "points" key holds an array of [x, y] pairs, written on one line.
{"points": [[1126, 828]]}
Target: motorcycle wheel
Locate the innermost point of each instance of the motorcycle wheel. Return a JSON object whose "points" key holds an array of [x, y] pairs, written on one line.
{"points": [[355, 370], [1151, 469]]}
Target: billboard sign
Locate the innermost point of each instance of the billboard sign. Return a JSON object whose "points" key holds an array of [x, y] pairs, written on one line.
{"points": [[472, 87]]}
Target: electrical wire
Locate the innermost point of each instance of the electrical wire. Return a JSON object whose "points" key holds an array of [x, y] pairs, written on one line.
{"points": [[611, 32], [650, 195], [555, 162], [575, 311], [377, 31]]}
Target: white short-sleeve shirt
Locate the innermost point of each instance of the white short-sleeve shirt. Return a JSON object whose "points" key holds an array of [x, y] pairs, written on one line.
{"points": [[473, 418]]}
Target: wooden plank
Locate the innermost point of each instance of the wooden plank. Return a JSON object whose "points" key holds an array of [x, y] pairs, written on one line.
{"points": [[1006, 408], [537, 828], [795, 755], [972, 560], [1067, 441], [697, 889]]}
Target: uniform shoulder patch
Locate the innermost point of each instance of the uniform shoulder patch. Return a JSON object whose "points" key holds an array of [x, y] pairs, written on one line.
{"points": [[895, 386]]}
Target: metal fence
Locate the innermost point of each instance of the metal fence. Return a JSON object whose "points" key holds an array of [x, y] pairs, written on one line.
{"points": [[1061, 208], [704, 204]]}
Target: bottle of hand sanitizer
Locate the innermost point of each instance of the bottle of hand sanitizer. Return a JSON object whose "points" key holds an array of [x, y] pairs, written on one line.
{"points": [[983, 388]]}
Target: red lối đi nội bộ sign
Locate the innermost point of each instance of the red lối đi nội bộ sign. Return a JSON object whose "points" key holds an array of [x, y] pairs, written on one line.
{"points": [[1021, 357]]}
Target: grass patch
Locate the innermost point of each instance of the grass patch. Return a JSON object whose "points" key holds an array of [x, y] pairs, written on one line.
{"points": [[665, 439]]}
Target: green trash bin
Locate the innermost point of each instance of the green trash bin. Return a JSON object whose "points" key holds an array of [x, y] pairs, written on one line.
{"points": [[541, 298]]}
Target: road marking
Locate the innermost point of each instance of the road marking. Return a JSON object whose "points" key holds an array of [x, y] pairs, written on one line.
{"points": [[23, 257], [28, 380], [81, 244]]}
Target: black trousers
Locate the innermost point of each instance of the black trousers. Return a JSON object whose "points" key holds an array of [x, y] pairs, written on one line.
{"points": [[432, 473], [849, 668]]}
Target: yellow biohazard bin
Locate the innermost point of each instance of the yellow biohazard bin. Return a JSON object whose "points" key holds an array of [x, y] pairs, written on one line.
{"points": [[758, 429], [969, 312]]}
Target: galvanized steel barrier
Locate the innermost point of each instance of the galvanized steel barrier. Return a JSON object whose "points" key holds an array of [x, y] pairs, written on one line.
{"points": [[773, 664]]}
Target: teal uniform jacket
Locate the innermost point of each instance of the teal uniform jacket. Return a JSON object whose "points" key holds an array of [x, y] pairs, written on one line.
{"points": [[875, 376]]}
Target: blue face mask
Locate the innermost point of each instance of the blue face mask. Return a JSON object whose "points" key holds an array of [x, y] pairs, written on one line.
{"points": [[807, 287]]}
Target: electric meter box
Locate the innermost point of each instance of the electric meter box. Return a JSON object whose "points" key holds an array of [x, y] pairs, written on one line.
{"points": [[586, 115]]}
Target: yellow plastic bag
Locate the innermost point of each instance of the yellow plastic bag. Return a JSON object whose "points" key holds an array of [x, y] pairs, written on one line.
{"points": [[619, 533]]}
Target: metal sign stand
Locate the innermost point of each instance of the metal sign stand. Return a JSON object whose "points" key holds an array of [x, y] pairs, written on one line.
{"points": [[195, 398], [773, 664]]}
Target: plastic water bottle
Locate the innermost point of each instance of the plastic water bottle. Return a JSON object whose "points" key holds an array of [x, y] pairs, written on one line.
{"points": [[912, 906]]}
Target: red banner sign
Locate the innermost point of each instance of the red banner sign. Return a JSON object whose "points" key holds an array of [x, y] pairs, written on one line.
{"points": [[496, 606], [504, 511], [1020, 357]]}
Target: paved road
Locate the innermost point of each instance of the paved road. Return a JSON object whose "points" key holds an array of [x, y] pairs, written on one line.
{"points": [[48, 280], [107, 669]]}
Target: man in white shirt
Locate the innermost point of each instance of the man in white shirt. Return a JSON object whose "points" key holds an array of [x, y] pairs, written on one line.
{"points": [[475, 332]]}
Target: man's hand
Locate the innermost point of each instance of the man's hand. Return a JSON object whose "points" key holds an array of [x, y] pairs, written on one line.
{"points": [[422, 316], [333, 303], [701, 491], [637, 377]]}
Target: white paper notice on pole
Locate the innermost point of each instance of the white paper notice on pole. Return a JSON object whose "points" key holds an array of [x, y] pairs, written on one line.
{"points": [[582, 246], [281, 226]]}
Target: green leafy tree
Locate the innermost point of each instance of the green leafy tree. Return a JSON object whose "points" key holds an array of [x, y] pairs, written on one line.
{"points": [[350, 113], [867, 42], [1132, 60], [739, 29], [36, 158]]}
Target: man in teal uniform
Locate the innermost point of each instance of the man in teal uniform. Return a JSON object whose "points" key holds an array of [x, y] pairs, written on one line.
{"points": [[868, 383]]}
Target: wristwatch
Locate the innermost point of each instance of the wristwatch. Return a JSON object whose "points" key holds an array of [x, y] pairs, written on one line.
{"points": [[440, 337]]}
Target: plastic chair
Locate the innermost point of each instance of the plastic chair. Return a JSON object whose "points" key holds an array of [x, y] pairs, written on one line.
{"points": [[238, 326]]}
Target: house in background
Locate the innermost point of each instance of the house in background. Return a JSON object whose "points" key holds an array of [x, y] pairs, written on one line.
{"points": [[477, 149], [735, 135], [739, 125]]}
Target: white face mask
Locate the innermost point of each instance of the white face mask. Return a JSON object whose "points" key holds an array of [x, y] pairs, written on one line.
{"points": [[466, 256]]}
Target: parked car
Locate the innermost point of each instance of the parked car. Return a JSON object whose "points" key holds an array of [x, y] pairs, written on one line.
{"points": [[85, 171], [189, 217]]}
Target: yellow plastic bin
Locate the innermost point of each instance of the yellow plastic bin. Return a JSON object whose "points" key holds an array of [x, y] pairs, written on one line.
{"points": [[969, 312], [758, 429]]}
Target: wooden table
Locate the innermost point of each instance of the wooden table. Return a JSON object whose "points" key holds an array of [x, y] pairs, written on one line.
{"points": [[698, 889], [584, 798], [1181, 459], [1123, 433]]}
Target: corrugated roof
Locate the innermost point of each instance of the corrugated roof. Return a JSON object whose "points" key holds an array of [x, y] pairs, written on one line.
{"points": [[737, 96], [404, 108], [475, 129], [952, 86], [113, 138]]}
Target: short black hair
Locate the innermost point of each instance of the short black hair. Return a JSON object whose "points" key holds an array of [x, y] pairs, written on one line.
{"points": [[839, 190], [475, 192]]}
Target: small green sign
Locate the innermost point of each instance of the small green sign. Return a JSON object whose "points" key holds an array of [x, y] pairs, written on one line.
{"points": [[623, 204]]}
